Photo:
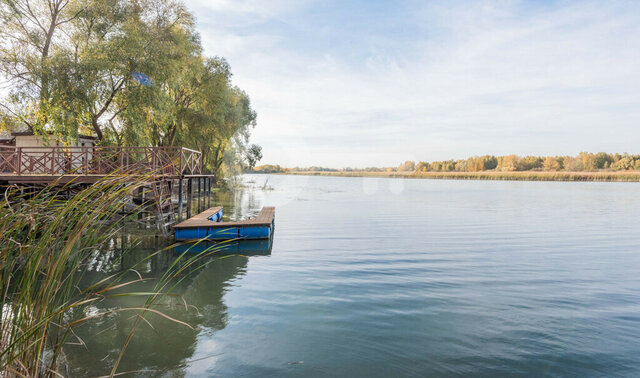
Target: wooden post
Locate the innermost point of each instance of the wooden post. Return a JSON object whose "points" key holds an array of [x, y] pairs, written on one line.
{"points": [[19, 168], [209, 192], [200, 199], [85, 161], [204, 194], [189, 196], [180, 199], [53, 160]]}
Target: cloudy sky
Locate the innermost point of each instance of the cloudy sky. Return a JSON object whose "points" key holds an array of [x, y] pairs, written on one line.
{"points": [[374, 83]]}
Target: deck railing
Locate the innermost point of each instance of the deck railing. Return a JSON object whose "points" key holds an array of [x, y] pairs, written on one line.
{"points": [[169, 161]]}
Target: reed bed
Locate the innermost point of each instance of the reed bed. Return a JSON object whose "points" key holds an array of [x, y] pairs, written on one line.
{"points": [[46, 238], [619, 176]]}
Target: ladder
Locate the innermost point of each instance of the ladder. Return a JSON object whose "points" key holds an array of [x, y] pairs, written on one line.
{"points": [[165, 216]]}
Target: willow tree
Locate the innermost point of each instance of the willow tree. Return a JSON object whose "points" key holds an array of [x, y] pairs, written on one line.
{"points": [[122, 52], [75, 65], [31, 36], [167, 112], [222, 120], [128, 72]]}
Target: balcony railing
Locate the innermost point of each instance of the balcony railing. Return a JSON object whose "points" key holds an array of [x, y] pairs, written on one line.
{"points": [[56, 161]]}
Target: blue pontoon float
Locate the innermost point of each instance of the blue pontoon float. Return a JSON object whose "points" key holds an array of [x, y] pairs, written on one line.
{"points": [[207, 225]]}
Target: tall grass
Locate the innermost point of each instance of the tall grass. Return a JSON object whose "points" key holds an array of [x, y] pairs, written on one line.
{"points": [[46, 239]]}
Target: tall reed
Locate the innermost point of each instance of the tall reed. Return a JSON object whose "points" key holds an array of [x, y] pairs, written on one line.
{"points": [[45, 238]]}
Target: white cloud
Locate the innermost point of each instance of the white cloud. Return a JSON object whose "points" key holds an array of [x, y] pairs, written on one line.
{"points": [[448, 82]]}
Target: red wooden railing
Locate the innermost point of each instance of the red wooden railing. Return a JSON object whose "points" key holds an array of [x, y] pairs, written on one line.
{"points": [[169, 161]]}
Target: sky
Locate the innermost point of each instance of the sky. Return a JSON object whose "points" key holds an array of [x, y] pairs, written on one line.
{"points": [[375, 83]]}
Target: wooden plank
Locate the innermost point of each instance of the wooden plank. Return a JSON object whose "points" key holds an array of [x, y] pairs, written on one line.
{"points": [[49, 179], [264, 218], [12, 178], [199, 220]]}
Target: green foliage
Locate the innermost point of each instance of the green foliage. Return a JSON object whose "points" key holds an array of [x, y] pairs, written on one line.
{"points": [[75, 67], [529, 163], [252, 156]]}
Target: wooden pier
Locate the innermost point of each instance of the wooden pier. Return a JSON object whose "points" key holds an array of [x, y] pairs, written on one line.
{"points": [[163, 168], [206, 226], [88, 164]]}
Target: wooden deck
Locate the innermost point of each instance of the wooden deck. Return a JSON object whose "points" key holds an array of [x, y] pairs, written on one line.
{"points": [[46, 165], [202, 227], [202, 219]]}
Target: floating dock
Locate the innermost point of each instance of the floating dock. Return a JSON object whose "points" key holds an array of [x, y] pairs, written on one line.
{"points": [[207, 225]]}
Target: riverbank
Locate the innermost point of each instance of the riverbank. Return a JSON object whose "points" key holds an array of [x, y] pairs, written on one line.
{"points": [[613, 176]]}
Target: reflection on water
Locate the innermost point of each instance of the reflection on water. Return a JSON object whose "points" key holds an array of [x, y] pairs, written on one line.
{"points": [[242, 247], [160, 346], [387, 277]]}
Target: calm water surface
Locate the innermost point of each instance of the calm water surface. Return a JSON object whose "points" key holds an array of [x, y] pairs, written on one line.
{"points": [[372, 277]]}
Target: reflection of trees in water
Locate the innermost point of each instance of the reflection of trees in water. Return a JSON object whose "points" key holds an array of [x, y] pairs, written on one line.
{"points": [[161, 345], [235, 205], [243, 204]]}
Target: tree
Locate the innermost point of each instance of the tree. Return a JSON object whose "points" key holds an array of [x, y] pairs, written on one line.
{"points": [[128, 72], [529, 163], [407, 166], [30, 39], [422, 166], [552, 164], [508, 163], [625, 162], [602, 160], [117, 43], [252, 156]]}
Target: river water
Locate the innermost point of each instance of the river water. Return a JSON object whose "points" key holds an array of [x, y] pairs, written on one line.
{"points": [[376, 277]]}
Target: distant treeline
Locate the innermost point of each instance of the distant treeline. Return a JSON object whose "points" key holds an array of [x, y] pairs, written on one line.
{"points": [[584, 162]]}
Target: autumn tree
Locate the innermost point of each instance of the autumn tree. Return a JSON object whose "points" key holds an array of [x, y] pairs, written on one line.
{"points": [[551, 163]]}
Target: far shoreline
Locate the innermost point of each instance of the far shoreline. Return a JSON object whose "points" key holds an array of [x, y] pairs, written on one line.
{"points": [[561, 176]]}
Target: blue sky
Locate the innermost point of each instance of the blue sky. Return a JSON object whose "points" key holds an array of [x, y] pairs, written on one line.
{"points": [[374, 83]]}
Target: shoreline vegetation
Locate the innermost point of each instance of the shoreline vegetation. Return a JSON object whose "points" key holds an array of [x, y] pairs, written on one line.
{"points": [[633, 176], [51, 238], [585, 166]]}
